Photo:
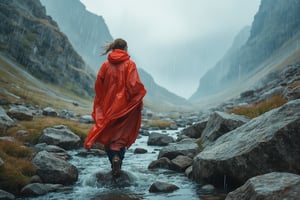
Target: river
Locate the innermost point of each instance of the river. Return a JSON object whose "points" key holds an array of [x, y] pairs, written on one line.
{"points": [[137, 166]]}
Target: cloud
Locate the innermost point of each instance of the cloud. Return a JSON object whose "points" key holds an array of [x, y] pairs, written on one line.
{"points": [[157, 30]]}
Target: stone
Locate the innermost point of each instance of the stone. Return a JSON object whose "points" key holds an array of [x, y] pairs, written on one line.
{"points": [[140, 151], [48, 111], [220, 123], [159, 186], [275, 185], [54, 170], [125, 179], [267, 143], [6, 195], [20, 113], [60, 136], [181, 163], [159, 139], [5, 120], [86, 119], [163, 162]]}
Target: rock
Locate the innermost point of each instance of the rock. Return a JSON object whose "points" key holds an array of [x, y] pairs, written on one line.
{"points": [[117, 195], [292, 93], [60, 136], [126, 179], [38, 189], [6, 195], [5, 120], [159, 186], [66, 114], [220, 123], [140, 151], [273, 185], [163, 162], [195, 130], [208, 189], [35, 179], [158, 139], [91, 152], [189, 171], [267, 143], [20, 113], [1, 162], [187, 148], [48, 111], [86, 119], [54, 170], [180, 163]]}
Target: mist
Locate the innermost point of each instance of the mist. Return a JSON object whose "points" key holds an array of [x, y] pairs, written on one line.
{"points": [[175, 41]]}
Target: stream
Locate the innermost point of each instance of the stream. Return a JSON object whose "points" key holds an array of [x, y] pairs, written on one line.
{"points": [[137, 166]]}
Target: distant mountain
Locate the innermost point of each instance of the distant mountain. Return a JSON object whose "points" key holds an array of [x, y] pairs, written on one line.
{"points": [[34, 40], [274, 38], [88, 33]]}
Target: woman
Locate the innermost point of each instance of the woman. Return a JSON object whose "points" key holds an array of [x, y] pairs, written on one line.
{"points": [[117, 104]]}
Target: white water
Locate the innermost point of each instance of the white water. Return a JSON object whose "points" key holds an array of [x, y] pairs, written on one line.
{"points": [[137, 165]]}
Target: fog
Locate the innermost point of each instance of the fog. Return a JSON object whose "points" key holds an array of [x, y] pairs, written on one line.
{"points": [[176, 41]]}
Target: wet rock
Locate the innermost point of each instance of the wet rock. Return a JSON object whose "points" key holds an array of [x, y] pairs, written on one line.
{"points": [[163, 162], [125, 179], [49, 111], [220, 123], [86, 119], [159, 186], [158, 139], [140, 151], [180, 163], [91, 152], [5, 120], [6, 195], [54, 170], [208, 189], [20, 113], [189, 171], [60, 136], [185, 147], [1, 162], [267, 143], [292, 93], [35, 179], [118, 196], [38, 189], [55, 150], [273, 185], [195, 130]]}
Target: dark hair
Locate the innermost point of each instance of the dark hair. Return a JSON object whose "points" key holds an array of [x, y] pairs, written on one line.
{"points": [[116, 44]]}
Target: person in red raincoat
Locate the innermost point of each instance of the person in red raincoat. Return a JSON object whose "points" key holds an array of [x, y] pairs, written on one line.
{"points": [[117, 104]]}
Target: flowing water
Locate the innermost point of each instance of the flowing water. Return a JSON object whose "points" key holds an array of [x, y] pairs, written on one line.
{"points": [[137, 166]]}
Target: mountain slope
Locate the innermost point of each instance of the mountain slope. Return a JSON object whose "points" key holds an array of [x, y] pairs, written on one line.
{"points": [[34, 40], [274, 38], [87, 32]]}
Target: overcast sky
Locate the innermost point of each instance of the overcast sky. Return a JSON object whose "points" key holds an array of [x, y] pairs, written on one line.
{"points": [[162, 33]]}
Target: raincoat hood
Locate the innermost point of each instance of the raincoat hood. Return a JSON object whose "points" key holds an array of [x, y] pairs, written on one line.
{"points": [[118, 56]]}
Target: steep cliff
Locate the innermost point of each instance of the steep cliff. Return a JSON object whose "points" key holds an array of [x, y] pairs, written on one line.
{"points": [[34, 40], [86, 31], [274, 36]]}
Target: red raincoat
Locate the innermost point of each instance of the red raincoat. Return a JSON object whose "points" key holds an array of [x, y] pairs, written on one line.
{"points": [[117, 104]]}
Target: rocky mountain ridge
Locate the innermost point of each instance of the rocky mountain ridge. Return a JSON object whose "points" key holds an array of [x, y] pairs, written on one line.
{"points": [[274, 39], [34, 40]]}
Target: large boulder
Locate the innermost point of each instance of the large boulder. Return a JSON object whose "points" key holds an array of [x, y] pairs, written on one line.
{"points": [[194, 131], [267, 143], [274, 185], [60, 136], [52, 169], [220, 123]]}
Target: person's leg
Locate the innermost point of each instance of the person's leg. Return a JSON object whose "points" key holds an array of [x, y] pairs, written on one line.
{"points": [[116, 157]]}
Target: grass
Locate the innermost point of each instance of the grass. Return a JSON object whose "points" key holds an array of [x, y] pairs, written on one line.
{"points": [[258, 109], [17, 170], [162, 124], [38, 124]]}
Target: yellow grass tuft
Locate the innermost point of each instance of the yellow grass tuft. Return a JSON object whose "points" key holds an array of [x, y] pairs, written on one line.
{"points": [[257, 109], [162, 124], [17, 169]]}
